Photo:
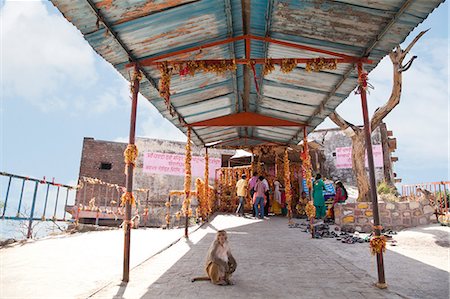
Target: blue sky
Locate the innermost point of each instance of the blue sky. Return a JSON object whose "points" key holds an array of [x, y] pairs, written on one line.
{"points": [[55, 90]]}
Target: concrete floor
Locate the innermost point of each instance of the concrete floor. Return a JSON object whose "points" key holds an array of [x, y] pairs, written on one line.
{"points": [[274, 261]]}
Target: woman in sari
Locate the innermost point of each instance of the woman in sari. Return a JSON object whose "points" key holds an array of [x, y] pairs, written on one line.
{"points": [[319, 199]]}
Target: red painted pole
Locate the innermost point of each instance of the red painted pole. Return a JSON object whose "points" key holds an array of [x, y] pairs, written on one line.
{"points": [[129, 179], [373, 186]]}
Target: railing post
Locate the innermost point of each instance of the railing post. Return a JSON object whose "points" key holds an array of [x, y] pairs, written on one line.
{"points": [[20, 199], [6, 198], [30, 221]]}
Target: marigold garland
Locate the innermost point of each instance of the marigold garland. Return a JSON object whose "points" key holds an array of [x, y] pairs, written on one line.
{"points": [[363, 83], [287, 65], [188, 174], [287, 183], [130, 154], [377, 244], [164, 83], [128, 197], [268, 67], [310, 210], [318, 64], [137, 75], [207, 205], [306, 164]]}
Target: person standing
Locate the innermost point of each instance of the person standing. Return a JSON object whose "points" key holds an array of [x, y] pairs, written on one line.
{"points": [[319, 199], [277, 192], [251, 187], [260, 189], [267, 197], [241, 191]]}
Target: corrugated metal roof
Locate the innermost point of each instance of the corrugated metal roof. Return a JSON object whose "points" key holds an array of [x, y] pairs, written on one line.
{"points": [[152, 28]]}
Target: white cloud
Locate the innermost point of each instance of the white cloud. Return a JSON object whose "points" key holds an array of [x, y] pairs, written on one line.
{"points": [[154, 125], [43, 56]]}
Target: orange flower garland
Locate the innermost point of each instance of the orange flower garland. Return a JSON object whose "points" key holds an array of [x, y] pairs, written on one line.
{"points": [[377, 244], [318, 64], [188, 176], [287, 183]]}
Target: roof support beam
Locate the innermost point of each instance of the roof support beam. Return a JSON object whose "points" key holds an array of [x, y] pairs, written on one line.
{"points": [[345, 58], [131, 57], [231, 46], [246, 26], [245, 119]]}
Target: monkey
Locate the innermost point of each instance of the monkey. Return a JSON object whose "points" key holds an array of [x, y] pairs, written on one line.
{"points": [[220, 263]]}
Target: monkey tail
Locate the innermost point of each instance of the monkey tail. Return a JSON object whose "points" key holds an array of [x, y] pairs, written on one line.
{"points": [[204, 278]]}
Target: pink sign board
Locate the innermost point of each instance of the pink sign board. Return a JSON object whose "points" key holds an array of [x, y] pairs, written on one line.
{"points": [[173, 164], [344, 156]]}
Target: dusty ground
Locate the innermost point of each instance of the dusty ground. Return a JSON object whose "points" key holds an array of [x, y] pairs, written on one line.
{"points": [[274, 261]]}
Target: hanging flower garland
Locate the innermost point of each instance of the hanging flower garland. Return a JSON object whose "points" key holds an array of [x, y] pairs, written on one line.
{"points": [[377, 244], [188, 176], [310, 210], [287, 183], [306, 164], [288, 65], [164, 83], [207, 206], [128, 197], [268, 66], [318, 64]]}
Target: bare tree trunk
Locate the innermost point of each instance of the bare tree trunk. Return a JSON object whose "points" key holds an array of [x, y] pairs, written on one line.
{"points": [[359, 168]]}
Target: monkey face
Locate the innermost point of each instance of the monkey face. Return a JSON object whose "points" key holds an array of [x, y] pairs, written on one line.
{"points": [[222, 238]]}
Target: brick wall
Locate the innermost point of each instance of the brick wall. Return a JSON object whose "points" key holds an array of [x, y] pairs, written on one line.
{"points": [[94, 153]]}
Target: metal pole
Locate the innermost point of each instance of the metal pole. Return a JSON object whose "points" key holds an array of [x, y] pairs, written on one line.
{"points": [[30, 221], [6, 198], [20, 199], [56, 203], [65, 205], [373, 186], [45, 204], [129, 178]]}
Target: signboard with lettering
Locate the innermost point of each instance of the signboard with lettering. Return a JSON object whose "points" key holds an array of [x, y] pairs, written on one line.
{"points": [[173, 164], [344, 156]]}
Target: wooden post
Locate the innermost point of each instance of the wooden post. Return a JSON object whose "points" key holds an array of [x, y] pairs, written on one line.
{"points": [[373, 186], [129, 177]]}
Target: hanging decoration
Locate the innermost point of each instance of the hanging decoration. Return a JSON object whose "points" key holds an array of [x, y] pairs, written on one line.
{"points": [[377, 244], [268, 66], [164, 84], [318, 64], [258, 166], [306, 164], [363, 83], [310, 210], [288, 64], [208, 204], [130, 155], [188, 176], [128, 197], [287, 183]]}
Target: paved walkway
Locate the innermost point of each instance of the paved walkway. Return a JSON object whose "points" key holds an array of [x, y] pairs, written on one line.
{"points": [[75, 266], [273, 262]]}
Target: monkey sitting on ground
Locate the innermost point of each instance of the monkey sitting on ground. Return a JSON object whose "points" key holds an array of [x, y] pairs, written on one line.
{"points": [[220, 263]]}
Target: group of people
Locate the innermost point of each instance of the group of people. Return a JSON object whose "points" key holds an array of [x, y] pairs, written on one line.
{"points": [[319, 198], [258, 188]]}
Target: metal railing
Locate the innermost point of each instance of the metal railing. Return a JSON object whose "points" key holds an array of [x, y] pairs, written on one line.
{"points": [[439, 192], [59, 192]]}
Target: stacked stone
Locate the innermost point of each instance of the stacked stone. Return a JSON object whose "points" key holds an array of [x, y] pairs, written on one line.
{"points": [[393, 215]]}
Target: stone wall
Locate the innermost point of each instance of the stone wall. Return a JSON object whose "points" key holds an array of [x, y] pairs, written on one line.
{"points": [[395, 215]]}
